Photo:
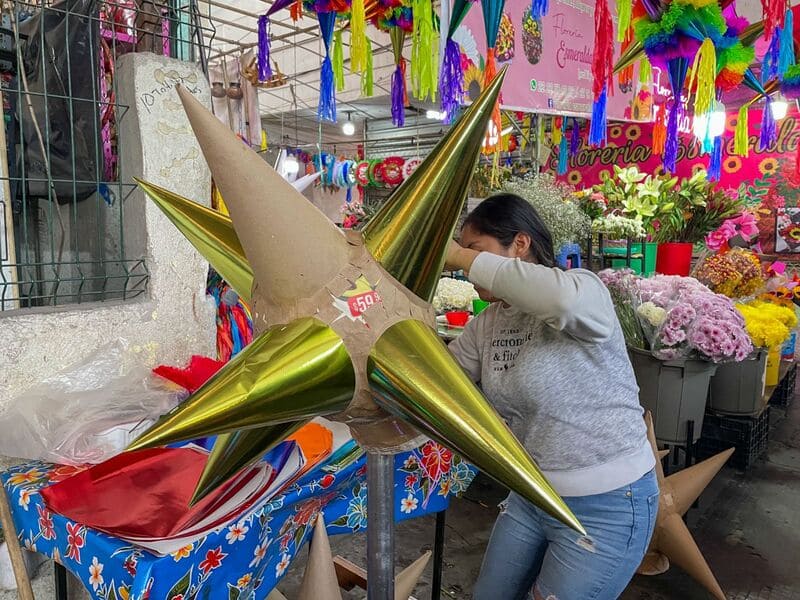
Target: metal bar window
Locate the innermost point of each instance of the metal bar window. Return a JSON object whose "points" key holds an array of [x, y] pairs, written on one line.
{"points": [[62, 203]]}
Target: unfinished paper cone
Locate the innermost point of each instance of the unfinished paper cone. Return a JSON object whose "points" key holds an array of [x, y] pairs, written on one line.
{"points": [[233, 452], [289, 373], [410, 234], [680, 548], [319, 579], [413, 374], [407, 580], [270, 216], [210, 232], [688, 484], [276, 595], [653, 563]]}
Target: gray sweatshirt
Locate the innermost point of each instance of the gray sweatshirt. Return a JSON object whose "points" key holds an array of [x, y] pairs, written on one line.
{"points": [[555, 366]]}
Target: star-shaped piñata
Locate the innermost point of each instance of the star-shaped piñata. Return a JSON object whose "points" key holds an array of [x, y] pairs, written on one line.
{"points": [[672, 541], [343, 321]]}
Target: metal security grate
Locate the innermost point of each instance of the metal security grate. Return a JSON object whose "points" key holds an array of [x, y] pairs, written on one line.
{"points": [[63, 217]]}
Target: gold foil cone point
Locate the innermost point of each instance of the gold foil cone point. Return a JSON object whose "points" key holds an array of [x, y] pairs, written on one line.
{"points": [[210, 232], [410, 234], [413, 375], [288, 373], [233, 452], [273, 221]]}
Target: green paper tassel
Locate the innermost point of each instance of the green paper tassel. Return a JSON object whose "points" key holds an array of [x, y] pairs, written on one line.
{"points": [[366, 74], [358, 37], [741, 139], [624, 21], [338, 61], [424, 52], [645, 71]]}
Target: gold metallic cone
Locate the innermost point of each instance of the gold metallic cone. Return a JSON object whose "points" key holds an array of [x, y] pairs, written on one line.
{"points": [[410, 235], [233, 452], [269, 215], [210, 232], [288, 373], [412, 374], [632, 53]]}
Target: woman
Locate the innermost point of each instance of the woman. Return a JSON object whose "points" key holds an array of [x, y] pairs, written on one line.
{"points": [[550, 356]]}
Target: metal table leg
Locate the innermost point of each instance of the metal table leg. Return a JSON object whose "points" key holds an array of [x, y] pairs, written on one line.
{"points": [[380, 527], [438, 556], [60, 574]]}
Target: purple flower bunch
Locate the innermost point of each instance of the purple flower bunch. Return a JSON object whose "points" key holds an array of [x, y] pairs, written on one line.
{"points": [[694, 321]]}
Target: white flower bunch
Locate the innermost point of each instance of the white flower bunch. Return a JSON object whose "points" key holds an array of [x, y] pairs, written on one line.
{"points": [[454, 294], [653, 314], [619, 227]]}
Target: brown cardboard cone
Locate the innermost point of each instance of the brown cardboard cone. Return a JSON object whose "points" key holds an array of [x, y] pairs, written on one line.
{"points": [[276, 595], [662, 454], [406, 581], [671, 536], [679, 546], [688, 484], [270, 216], [319, 579]]}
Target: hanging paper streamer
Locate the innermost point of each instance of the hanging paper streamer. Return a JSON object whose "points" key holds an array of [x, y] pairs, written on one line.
{"points": [[424, 52], [358, 37], [492, 15], [264, 68], [769, 128], [741, 141], [659, 132], [786, 56], [297, 10], [773, 15], [624, 8], [366, 74], [670, 155], [602, 70], [398, 37], [451, 74], [327, 92], [715, 162], [626, 75], [562, 148], [645, 71], [704, 72], [555, 130], [575, 140], [338, 61], [769, 66], [539, 9]]}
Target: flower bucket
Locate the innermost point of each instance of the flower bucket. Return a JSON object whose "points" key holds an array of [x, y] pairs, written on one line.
{"points": [[787, 352], [674, 391], [738, 388], [773, 367], [651, 248], [674, 258]]}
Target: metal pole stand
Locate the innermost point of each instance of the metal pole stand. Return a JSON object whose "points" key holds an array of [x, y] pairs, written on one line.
{"points": [[380, 526]]}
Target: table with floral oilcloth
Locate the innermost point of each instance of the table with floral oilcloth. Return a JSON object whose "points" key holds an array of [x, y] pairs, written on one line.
{"points": [[245, 558]]}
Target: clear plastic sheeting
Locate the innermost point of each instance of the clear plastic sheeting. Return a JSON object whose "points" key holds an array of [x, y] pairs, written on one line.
{"points": [[89, 412]]}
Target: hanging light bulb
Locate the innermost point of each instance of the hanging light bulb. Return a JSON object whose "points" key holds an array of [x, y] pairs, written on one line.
{"points": [[290, 165], [716, 122], [779, 107], [492, 136], [348, 127], [700, 126], [435, 115]]}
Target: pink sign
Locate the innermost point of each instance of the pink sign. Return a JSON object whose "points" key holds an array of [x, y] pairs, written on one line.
{"points": [[550, 61], [630, 144]]}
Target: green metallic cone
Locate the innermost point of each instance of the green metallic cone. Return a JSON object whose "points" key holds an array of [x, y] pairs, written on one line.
{"points": [[233, 452], [410, 235], [210, 232], [751, 33], [288, 373], [413, 375]]}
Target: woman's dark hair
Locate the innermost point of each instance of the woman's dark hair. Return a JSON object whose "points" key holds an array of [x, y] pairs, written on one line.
{"points": [[503, 216]]}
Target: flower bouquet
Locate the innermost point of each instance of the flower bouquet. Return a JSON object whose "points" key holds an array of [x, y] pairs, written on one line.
{"points": [[768, 324], [617, 227], [453, 294], [735, 274], [686, 329]]}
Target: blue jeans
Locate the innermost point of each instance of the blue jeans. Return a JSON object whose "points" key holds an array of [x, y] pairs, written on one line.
{"points": [[529, 551]]}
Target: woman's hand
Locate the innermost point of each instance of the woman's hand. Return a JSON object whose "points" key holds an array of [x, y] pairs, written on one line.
{"points": [[459, 258]]}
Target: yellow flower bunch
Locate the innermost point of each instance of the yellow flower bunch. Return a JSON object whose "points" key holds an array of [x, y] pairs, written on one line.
{"points": [[768, 324]]}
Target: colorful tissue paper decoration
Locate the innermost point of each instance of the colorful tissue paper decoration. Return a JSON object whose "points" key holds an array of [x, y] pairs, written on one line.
{"points": [[492, 15], [396, 18], [451, 76], [602, 71]]}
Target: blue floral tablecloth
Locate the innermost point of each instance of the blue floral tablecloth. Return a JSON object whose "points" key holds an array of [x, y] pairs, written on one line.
{"points": [[243, 560]]}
